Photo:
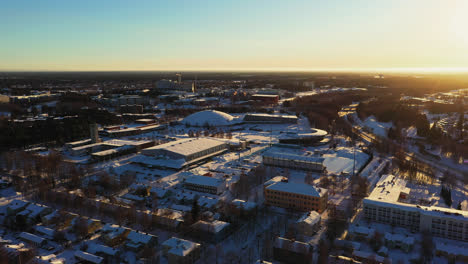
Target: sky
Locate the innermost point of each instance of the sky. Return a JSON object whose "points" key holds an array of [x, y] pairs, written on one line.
{"points": [[115, 35]]}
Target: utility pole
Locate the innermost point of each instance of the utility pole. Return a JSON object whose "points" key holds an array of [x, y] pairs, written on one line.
{"points": [[354, 157]]}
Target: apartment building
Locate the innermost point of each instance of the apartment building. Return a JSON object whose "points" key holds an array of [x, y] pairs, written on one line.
{"points": [[299, 196], [389, 203], [205, 184]]}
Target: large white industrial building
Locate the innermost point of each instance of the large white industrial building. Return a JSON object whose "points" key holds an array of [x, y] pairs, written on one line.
{"points": [[388, 204], [180, 153]]}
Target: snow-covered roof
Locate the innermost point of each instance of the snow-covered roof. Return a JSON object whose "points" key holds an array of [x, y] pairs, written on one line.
{"points": [[289, 156], [297, 188], [31, 237], [368, 255], [243, 204], [361, 230], [139, 238], [408, 240], [310, 218], [295, 246], [387, 193], [389, 188], [208, 117], [98, 248], [451, 249], [180, 247], [44, 230], [187, 146], [204, 180], [17, 204], [88, 257], [215, 226]]}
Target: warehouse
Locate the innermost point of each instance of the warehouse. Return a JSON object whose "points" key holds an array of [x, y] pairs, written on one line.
{"points": [[182, 152]]}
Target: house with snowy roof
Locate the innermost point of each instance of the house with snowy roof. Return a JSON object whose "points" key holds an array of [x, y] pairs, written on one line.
{"points": [[308, 224], [136, 241], [405, 242], [113, 234], [16, 206], [168, 218], [32, 239], [211, 231], [181, 251], [88, 257], [291, 251]]}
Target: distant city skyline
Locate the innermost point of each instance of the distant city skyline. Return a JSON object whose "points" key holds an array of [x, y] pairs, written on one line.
{"points": [[418, 35]]}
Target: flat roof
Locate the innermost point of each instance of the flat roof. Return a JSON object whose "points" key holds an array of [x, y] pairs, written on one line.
{"points": [[297, 188], [187, 146], [180, 247], [290, 156], [388, 188], [204, 180]]}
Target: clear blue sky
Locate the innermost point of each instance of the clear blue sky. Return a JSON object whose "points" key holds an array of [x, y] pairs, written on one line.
{"points": [[224, 35]]}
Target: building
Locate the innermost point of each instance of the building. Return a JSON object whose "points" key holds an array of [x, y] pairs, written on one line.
{"points": [[298, 196], [180, 153], [168, 218], [133, 108], [211, 231], [32, 239], [172, 86], [306, 139], [88, 257], [266, 99], [181, 251], [273, 157], [268, 118], [308, 224], [290, 251], [209, 118], [205, 184], [388, 203], [93, 131], [136, 241]]}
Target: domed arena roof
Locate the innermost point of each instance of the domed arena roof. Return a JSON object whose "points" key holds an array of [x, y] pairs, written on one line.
{"points": [[208, 117]]}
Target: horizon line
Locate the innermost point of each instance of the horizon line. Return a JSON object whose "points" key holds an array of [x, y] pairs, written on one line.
{"points": [[271, 69]]}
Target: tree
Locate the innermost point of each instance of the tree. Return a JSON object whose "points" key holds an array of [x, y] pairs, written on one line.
{"points": [[427, 247], [195, 212]]}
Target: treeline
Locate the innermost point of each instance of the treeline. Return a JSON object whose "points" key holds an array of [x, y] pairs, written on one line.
{"points": [[390, 109], [50, 130], [322, 109]]}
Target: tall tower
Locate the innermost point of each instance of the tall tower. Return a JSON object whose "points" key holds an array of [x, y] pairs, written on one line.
{"points": [[179, 77], [93, 131]]}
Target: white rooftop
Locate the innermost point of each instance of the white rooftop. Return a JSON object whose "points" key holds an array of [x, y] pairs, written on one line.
{"points": [[297, 188], [88, 257], [208, 117], [180, 247], [204, 180], [310, 218], [388, 189], [186, 146], [30, 237]]}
